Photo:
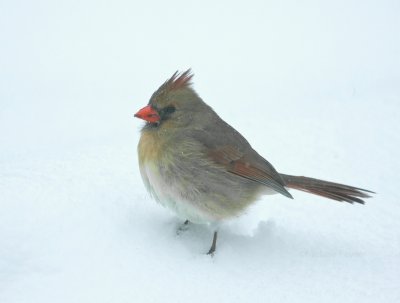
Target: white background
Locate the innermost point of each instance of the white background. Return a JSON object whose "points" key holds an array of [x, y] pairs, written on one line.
{"points": [[313, 86]]}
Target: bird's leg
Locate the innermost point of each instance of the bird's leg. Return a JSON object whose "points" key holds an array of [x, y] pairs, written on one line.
{"points": [[183, 227], [213, 245]]}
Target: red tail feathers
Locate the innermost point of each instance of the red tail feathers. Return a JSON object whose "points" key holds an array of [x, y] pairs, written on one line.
{"points": [[330, 190]]}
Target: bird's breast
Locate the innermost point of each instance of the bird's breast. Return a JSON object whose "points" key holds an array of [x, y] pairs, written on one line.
{"points": [[165, 184]]}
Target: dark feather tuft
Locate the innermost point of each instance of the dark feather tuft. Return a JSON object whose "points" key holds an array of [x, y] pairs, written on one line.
{"points": [[179, 80]]}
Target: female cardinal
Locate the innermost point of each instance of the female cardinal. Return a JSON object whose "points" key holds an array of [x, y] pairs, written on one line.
{"points": [[196, 164]]}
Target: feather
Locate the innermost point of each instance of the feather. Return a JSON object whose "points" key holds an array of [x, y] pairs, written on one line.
{"points": [[179, 80]]}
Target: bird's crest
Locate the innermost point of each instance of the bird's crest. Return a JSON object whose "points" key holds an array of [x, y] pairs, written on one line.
{"points": [[176, 82], [179, 80]]}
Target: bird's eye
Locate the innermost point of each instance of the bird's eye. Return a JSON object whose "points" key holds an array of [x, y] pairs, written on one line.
{"points": [[168, 110]]}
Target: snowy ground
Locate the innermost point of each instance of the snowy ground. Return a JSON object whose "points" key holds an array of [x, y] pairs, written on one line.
{"points": [[315, 89]]}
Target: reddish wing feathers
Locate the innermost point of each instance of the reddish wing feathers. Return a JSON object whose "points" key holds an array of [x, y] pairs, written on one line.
{"points": [[235, 162]]}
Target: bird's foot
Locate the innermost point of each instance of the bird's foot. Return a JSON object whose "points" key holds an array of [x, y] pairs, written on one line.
{"points": [[213, 245], [183, 227]]}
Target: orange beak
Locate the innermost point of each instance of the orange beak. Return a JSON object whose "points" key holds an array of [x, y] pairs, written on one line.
{"points": [[149, 114]]}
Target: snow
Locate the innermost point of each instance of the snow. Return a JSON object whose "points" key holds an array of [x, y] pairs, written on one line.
{"points": [[314, 87]]}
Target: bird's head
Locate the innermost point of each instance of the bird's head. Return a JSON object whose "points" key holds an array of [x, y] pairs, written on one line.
{"points": [[174, 104]]}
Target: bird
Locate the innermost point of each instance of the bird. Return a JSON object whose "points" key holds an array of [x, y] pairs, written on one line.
{"points": [[194, 163]]}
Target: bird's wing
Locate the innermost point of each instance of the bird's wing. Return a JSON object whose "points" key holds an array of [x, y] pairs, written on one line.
{"points": [[250, 166], [228, 148]]}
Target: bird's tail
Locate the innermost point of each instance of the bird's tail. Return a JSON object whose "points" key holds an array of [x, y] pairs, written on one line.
{"points": [[334, 191]]}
